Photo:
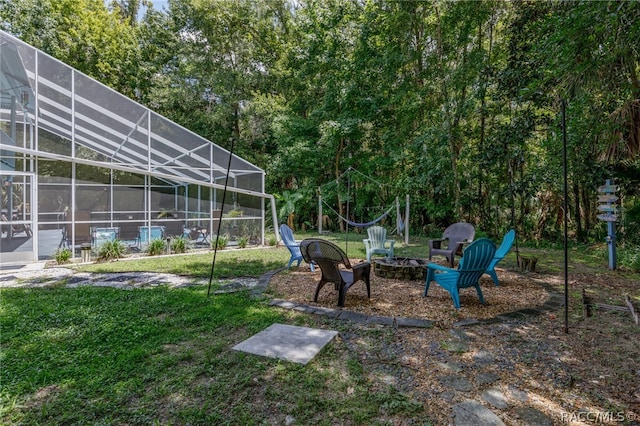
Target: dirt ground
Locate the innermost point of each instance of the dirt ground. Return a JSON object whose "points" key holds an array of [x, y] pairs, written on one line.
{"points": [[586, 373]]}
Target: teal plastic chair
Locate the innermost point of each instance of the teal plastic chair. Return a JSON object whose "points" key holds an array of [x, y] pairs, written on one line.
{"points": [[102, 235], [149, 233], [294, 247], [377, 242], [502, 251], [476, 258]]}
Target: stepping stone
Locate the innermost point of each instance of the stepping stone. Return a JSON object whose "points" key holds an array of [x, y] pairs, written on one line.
{"points": [[459, 383], [459, 334], [495, 397], [120, 278], [470, 413], [450, 366], [456, 346], [486, 378], [518, 394], [483, 357], [532, 416], [287, 342], [76, 280]]}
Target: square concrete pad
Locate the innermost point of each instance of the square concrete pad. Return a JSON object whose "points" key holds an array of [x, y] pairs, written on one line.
{"points": [[288, 342]]}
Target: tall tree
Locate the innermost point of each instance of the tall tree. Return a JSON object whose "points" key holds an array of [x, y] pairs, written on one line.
{"points": [[81, 33]]}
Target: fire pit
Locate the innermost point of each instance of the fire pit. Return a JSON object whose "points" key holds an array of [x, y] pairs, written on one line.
{"points": [[400, 268]]}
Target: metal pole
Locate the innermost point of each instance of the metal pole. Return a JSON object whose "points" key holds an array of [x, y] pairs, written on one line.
{"points": [[346, 246], [566, 251], [224, 195]]}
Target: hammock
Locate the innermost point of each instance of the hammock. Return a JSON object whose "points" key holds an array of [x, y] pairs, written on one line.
{"points": [[361, 225]]}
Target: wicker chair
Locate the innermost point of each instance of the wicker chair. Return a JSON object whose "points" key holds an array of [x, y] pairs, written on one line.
{"points": [[329, 257]]}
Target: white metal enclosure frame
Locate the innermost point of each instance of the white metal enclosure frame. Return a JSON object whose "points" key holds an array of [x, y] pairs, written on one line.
{"points": [[98, 158]]}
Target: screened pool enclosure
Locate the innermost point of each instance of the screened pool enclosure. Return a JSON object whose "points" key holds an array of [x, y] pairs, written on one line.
{"points": [[81, 163]]}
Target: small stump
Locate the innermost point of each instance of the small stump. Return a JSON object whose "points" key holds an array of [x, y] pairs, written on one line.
{"points": [[527, 264], [400, 268]]}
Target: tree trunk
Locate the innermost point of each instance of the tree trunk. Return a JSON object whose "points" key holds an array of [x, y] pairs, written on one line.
{"points": [[337, 174]]}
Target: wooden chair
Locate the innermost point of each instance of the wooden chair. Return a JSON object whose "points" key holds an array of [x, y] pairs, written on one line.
{"points": [[377, 243], [452, 241], [477, 257], [329, 257]]}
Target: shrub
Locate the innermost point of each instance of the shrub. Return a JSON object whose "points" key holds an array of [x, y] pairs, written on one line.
{"points": [[179, 244], [111, 250], [156, 247], [242, 242], [630, 257], [272, 241], [222, 242], [63, 255]]}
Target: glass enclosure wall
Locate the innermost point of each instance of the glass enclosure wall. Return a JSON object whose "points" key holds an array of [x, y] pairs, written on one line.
{"points": [[79, 162]]}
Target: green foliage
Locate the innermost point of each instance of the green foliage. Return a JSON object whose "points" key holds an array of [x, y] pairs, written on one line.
{"points": [[222, 241], [81, 33], [455, 103], [63, 255], [156, 247], [631, 223], [629, 258], [289, 202], [242, 241], [112, 250], [272, 240], [179, 244]]}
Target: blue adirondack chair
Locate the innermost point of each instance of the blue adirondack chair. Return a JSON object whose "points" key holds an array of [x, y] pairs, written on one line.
{"points": [[377, 242], [294, 247], [476, 258], [502, 251]]}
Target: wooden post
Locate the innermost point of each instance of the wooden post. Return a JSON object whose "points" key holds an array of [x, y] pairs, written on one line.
{"points": [[406, 223], [319, 212]]}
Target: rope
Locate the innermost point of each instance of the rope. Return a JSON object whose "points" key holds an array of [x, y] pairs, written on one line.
{"points": [[360, 225], [352, 170]]}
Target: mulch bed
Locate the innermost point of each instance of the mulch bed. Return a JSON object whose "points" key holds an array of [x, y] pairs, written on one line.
{"points": [[593, 367], [403, 298]]}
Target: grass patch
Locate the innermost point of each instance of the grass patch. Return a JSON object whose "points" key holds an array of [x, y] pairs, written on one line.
{"points": [[162, 356]]}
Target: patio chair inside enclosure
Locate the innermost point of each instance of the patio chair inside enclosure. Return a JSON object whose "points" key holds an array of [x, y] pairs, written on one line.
{"points": [[149, 233], [294, 247], [502, 251], [329, 257], [102, 235], [377, 242], [477, 257], [452, 240], [82, 229]]}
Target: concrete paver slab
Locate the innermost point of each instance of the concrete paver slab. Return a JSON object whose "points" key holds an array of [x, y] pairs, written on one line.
{"points": [[287, 342]]}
